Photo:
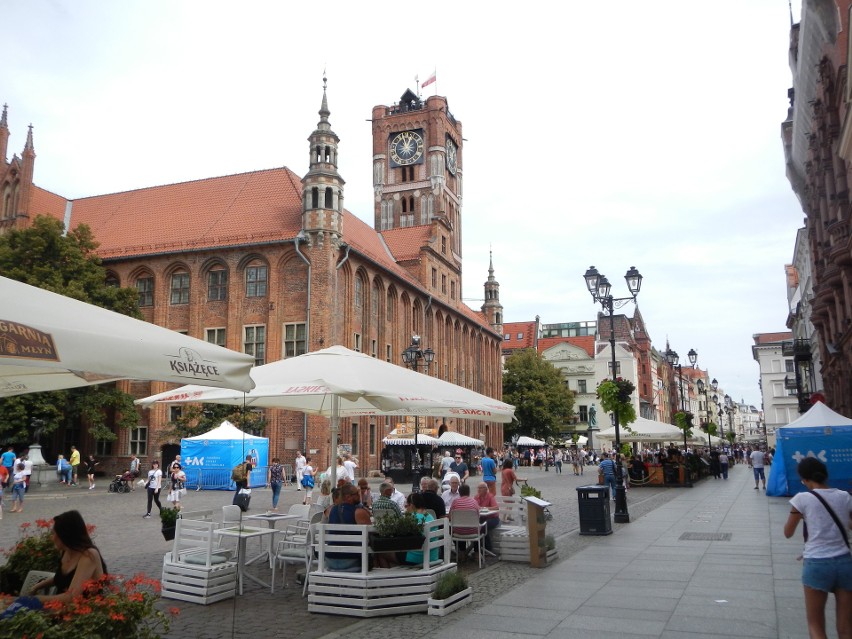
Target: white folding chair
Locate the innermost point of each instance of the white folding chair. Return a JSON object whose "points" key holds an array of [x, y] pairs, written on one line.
{"points": [[296, 552], [465, 526]]}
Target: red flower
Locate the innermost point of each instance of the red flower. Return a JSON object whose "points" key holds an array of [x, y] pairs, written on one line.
{"points": [[174, 611]]}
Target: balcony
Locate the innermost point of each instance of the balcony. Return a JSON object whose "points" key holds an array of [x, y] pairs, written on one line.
{"points": [[799, 349]]}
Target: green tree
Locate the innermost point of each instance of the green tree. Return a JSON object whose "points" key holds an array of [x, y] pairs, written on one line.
{"points": [[44, 255], [535, 387], [196, 419]]}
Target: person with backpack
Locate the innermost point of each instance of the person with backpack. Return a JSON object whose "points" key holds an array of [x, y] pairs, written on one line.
{"points": [[240, 475]]}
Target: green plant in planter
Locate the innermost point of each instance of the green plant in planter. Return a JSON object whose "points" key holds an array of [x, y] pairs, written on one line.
{"points": [[168, 516], [550, 542], [615, 398], [449, 584], [529, 491], [393, 525]]}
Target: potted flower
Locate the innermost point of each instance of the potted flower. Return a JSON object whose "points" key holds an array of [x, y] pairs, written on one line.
{"points": [[393, 532], [451, 592], [35, 550], [168, 518], [120, 608]]}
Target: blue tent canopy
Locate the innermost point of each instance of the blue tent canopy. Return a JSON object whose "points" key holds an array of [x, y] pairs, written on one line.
{"points": [[820, 433], [209, 458]]}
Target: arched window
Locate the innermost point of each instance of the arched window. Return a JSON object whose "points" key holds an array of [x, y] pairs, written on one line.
{"points": [[180, 288], [329, 197], [314, 197]]}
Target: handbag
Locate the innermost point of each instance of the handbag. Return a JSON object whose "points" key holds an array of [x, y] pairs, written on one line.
{"points": [[243, 499]]}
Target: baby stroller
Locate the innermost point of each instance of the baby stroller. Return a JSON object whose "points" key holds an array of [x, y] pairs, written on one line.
{"points": [[121, 483]]}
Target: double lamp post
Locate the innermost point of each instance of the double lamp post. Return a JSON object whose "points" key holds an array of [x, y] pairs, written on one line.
{"points": [[599, 288], [413, 357], [674, 360]]}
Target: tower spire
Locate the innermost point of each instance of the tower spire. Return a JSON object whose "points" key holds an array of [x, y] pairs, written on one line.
{"points": [[29, 145], [492, 308], [4, 134]]}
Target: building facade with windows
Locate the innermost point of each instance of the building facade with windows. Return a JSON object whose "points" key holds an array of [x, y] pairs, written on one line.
{"points": [[780, 403], [272, 264]]}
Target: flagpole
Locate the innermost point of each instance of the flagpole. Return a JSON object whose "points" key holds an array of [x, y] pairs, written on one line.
{"points": [[417, 80]]}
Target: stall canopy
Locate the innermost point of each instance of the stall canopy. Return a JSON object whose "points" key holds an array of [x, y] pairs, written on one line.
{"points": [[820, 433], [393, 439], [448, 438], [209, 458], [52, 342], [644, 430], [523, 440]]}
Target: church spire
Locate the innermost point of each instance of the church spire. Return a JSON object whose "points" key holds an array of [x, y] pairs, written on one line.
{"points": [[322, 186], [492, 308], [4, 134], [29, 145]]}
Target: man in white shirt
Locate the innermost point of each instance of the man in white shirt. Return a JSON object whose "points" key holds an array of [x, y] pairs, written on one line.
{"points": [[756, 461], [445, 463], [452, 493], [396, 496], [350, 466], [300, 468]]}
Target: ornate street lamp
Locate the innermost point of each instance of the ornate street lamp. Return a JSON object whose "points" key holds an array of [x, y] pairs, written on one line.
{"points": [[412, 357], [674, 360], [729, 408], [599, 288]]}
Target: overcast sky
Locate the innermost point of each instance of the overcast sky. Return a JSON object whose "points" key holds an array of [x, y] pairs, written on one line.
{"points": [[610, 133]]}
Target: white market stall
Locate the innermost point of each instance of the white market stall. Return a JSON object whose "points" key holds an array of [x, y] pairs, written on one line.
{"points": [[209, 458], [645, 430]]}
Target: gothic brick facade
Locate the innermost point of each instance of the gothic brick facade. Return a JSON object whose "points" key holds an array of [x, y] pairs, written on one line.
{"points": [[272, 264]]}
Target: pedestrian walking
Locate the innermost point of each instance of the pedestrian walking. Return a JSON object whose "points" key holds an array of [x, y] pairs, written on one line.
{"points": [[153, 486], [827, 560], [75, 463], [607, 471], [274, 480], [18, 489], [178, 486], [300, 468], [90, 470]]}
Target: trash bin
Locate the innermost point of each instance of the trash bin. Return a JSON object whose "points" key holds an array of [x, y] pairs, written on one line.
{"points": [[594, 510]]}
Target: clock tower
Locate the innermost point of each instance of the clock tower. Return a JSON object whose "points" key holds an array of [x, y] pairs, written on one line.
{"points": [[417, 166]]}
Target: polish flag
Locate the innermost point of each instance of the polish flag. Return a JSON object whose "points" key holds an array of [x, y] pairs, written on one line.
{"points": [[428, 80]]}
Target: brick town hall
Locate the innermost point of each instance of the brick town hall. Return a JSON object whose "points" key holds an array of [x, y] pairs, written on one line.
{"points": [[273, 265]]}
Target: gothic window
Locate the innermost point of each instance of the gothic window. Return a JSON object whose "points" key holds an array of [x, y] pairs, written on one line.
{"points": [[217, 285], [111, 281], [374, 302], [180, 288], [254, 343], [256, 281], [145, 287], [389, 307], [327, 157], [404, 205], [359, 293]]}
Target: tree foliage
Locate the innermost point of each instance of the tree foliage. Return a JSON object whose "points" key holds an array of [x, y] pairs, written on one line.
{"points": [[535, 387], [44, 256], [197, 419]]}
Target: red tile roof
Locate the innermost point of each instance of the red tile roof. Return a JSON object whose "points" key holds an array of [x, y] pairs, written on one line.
{"points": [[586, 342], [525, 329], [247, 208], [771, 338]]}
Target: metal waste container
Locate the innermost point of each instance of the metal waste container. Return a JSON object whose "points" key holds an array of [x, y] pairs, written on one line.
{"points": [[594, 510]]}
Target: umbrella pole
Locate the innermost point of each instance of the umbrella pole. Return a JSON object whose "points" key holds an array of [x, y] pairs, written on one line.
{"points": [[335, 429]]}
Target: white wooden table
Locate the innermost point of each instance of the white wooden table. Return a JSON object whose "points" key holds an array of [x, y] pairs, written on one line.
{"points": [[243, 534], [271, 520]]}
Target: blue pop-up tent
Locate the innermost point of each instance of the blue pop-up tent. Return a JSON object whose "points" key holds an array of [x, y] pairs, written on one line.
{"points": [[820, 433], [209, 458]]}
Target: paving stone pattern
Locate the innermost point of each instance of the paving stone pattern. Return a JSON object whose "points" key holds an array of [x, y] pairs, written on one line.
{"points": [[131, 544]]}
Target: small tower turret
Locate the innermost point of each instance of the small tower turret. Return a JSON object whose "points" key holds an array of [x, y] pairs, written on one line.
{"points": [[492, 308]]}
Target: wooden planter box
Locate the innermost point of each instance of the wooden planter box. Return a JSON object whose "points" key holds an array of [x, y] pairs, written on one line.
{"points": [[552, 555], [396, 544], [442, 607]]}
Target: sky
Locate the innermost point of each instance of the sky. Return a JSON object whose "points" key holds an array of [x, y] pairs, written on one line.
{"points": [[613, 134]]}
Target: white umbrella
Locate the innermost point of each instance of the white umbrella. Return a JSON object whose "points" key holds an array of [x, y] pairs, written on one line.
{"points": [[523, 440], [337, 382], [644, 430], [51, 342]]}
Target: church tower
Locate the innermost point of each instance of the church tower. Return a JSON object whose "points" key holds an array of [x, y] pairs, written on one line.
{"points": [[417, 165], [322, 186], [492, 308]]}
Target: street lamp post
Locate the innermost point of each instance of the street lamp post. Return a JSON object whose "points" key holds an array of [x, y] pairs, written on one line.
{"points": [[412, 357], [729, 409], [599, 288], [702, 390], [673, 359]]}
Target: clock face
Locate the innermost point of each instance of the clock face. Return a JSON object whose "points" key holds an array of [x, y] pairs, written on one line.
{"points": [[406, 148], [452, 156]]}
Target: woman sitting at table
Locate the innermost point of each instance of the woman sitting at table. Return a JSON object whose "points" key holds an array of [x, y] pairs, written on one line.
{"points": [[487, 501], [416, 504], [80, 563]]}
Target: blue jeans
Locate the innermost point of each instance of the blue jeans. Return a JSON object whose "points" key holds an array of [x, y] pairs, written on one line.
{"points": [[18, 492], [724, 468], [276, 492], [609, 480]]}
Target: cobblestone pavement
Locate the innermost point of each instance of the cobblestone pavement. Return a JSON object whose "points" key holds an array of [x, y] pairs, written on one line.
{"points": [[131, 544]]}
